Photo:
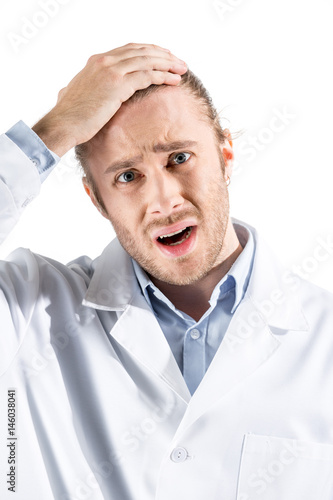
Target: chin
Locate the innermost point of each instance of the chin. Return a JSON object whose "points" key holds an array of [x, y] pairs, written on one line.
{"points": [[179, 277]]}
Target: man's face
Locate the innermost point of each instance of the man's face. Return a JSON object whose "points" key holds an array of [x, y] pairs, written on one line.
{"points": [[159, 173]]}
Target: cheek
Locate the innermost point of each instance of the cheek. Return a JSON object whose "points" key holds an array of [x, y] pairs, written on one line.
{"points": [[124, 215], [198, 187]]}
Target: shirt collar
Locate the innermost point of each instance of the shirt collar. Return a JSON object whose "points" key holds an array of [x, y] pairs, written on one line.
{"points": [[113, 285], [238, 275]]}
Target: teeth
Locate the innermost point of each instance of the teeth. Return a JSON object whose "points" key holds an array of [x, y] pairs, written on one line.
{"points": [[187, 235], [172, 234]]}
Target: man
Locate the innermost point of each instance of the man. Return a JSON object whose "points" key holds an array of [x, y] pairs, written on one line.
{"points": [[182, 363]]}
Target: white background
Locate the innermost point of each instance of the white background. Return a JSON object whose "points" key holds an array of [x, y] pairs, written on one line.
{"points": [[256, 57]]}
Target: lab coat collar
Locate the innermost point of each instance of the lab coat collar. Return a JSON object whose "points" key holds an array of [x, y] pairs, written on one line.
{"points": [[114, 284], [272, 289]]}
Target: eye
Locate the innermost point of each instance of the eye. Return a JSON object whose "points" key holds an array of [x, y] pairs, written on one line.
{"points": [[180, 157], [125, 177]]}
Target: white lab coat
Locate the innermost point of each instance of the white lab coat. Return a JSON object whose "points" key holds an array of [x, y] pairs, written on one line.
{"points": [[102, 410]]}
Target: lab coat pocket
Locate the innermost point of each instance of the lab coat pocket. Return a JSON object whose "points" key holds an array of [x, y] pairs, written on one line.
{"points": [[285, 469]]}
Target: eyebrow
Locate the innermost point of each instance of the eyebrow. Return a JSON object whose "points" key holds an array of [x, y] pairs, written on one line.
{"points": [[158, 148]]}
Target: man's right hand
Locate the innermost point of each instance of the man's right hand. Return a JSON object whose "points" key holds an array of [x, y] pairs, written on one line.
{"points": [[96, 93]]}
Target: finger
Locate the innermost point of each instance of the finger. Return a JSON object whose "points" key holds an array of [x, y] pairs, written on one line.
{"points": [[134, 50], [143, 79], [137, 46], [145, 63]]}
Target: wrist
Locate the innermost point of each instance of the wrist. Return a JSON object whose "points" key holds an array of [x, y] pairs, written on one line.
{"points": [[55, 134]]}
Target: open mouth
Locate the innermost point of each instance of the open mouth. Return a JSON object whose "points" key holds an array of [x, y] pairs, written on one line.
{"points": [[176, 238], [177, 243]]}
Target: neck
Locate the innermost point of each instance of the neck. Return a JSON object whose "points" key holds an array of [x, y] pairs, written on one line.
{"points": [[193, 299]]}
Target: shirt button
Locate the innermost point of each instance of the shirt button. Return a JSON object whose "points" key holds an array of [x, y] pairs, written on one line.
{"points": [[35, 162], [179, 455], [195, 334]]}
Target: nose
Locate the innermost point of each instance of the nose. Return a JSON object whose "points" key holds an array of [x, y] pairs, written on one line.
{"points": [[164, 193]]}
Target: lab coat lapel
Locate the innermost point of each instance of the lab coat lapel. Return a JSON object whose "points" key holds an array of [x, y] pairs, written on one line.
{"points": [[114, 287], [138, 331]]}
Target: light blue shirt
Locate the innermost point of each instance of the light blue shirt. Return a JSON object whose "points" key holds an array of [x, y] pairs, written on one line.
{"points": [[193, 343], [32, 146]]}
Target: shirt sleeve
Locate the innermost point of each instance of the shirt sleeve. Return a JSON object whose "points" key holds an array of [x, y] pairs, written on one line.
{"points": [[33, 147]]}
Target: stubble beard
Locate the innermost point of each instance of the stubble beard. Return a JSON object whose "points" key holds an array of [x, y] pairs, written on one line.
{"points": [[213, 227]]}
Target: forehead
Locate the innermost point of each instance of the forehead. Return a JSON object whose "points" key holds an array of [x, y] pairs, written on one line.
{"points": [[169, 114]]}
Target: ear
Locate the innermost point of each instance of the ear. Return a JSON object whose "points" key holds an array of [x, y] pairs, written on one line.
{"points": [[228, 154], [91, 195]]}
